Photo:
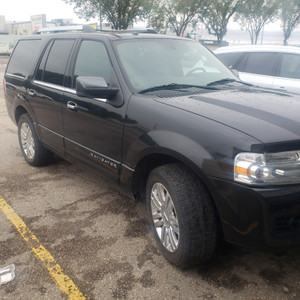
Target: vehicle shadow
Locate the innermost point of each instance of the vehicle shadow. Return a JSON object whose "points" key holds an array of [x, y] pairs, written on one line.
{"points": [[235, 269]]}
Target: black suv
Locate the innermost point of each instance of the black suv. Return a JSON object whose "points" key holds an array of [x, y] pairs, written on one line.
{"points": [[166, 120]]}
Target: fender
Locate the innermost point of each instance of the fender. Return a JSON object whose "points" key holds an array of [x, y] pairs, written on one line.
{"points": [[177, 146]]}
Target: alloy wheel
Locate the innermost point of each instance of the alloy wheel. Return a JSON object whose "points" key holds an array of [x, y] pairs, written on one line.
{"points": [[165, 217]]}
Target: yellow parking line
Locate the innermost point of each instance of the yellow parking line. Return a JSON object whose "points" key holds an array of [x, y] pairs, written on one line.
{"points": [[65, 284]]}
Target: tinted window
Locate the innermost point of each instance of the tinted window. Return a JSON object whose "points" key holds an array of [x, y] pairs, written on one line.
{"points": [[230, 59], [290, 66], [57, 61], [40, 71], [93, 60], [24, 57], [261, 63]]}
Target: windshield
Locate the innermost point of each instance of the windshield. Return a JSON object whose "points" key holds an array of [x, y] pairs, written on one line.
{"points": [[150, 63]]}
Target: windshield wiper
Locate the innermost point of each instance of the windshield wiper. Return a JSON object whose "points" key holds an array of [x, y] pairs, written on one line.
{"points": [[222, 81], [173, 86]]}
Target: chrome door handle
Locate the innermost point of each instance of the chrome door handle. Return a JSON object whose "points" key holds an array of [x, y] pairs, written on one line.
{"points": [[72, 106], [31, 92], [21, 97]]}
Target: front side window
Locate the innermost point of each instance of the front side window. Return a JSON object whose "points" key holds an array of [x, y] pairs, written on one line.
{"points": [[53, 65], [290, 66], [93, 60], [261, 63]]}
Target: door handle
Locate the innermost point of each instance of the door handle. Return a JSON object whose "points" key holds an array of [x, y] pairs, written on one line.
{"points": [[21, 97], [31, 92], [72, 106]]}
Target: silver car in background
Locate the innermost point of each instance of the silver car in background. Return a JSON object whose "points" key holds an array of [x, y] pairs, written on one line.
{"points": [[268, 66]]}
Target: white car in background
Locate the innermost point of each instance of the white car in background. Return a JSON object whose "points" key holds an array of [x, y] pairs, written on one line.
{"points": [[268, 66]]}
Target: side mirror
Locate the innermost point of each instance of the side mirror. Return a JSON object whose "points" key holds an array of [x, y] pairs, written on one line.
{"points": [[94, 87]]}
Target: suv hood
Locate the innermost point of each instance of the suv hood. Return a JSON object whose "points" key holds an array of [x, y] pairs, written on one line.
{"points": [[266, 115]]}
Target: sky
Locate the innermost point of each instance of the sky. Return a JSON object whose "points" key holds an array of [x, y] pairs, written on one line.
{"points": [[22, 10]]}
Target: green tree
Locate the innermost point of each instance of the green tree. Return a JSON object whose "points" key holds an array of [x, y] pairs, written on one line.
{"points": [[290, 17], [175, 14], [253, 15], [120, 13], [217, 15]]}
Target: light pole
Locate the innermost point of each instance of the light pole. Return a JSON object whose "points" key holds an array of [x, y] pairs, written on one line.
{"points": [[100, 13]]}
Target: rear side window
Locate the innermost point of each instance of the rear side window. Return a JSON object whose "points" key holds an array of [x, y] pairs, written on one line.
{"points": [[230, 59], [53, 63], [24, 58], [262, 63], [290, 66], [41, 68]]}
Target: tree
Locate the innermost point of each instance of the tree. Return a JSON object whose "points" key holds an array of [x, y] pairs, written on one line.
{"points": [[120, 13], [290, 17], [217, 15], [175, 14], [253, 15]]}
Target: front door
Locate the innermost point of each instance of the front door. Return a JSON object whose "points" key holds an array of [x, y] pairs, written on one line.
{"points": [[93, 128]]}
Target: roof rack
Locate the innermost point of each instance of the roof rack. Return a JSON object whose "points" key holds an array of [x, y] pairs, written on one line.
{"points": [[87, 28], [58, 29], [133, 31]]}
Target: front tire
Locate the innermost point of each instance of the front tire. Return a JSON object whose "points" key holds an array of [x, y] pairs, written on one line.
{"points": [[182, 215], [33, 151]]}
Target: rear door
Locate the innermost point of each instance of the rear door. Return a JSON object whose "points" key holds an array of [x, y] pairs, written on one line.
{"points": [[19, 72], [46, 92], [93, 128], [288, 77], [259, 68]]}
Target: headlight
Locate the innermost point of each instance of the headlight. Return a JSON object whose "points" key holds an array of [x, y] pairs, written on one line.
{"points": [[267, 169]]}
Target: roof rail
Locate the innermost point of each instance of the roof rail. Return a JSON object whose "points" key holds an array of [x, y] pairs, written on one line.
{"points": [[87, 28], [71, 28], [132, 30]]}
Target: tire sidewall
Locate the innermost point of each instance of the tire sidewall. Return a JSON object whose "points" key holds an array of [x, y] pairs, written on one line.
{"points": [[25, 119], [176, 256]]}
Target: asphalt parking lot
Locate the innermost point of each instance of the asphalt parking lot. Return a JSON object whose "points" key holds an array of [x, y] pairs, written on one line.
{"points": [[101, 240]]}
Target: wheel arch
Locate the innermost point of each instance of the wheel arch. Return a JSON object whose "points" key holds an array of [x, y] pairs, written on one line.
{"points": [[19, 111], [156, 159]]}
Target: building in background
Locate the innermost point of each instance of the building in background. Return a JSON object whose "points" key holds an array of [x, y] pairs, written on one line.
{"points": [[3, 26], [38, 22], [22, 28]]}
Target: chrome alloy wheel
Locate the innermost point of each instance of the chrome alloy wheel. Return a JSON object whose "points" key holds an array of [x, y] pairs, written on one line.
{"points": [[164, 217], [27, 141]]}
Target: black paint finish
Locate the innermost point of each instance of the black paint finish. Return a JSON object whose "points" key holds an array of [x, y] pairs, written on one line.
{"points": [[204, 130]]}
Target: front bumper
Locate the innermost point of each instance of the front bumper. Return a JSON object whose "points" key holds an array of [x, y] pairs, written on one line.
{"points": [[258, 217]]}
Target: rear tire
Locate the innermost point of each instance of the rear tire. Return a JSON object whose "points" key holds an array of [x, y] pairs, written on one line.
{"points": [[33, 151], [182, 215]]}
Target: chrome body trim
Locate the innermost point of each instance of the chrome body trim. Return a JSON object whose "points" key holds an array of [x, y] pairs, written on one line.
{"points": [[15, 76], [63, 89], [128, 168], [54, 86], [45, 128]]}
